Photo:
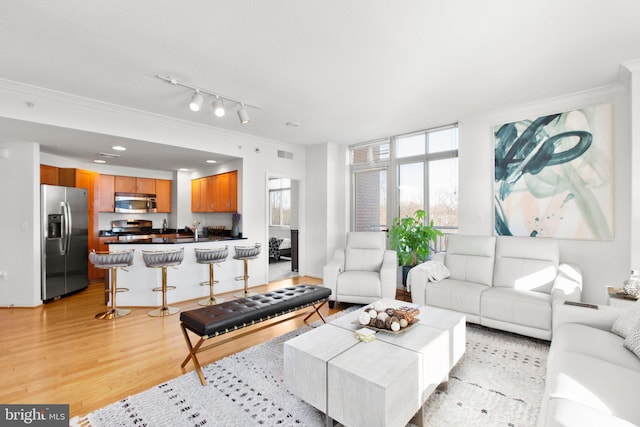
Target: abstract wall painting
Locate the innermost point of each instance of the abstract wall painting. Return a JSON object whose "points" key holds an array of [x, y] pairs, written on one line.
{"points": [[554, 175]]}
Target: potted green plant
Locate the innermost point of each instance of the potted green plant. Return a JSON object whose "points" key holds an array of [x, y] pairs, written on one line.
{"points": [[411, 238]]}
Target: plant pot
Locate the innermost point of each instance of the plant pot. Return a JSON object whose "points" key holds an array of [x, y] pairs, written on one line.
{"points": [[405, 273]]}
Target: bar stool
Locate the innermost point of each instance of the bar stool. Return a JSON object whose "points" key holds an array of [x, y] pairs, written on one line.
{"points": [[163, 259], [211, 257], [246, 253], [112, 261]]}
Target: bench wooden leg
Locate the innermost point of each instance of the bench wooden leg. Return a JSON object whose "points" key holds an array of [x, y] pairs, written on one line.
{"points": [[316, 310], [192, 354]]}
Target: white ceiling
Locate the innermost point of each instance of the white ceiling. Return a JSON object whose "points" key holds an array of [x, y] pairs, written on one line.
{"points": [[348, 71]]}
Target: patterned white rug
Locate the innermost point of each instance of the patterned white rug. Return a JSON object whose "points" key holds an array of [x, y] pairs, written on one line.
{"points": [[498, 382]]}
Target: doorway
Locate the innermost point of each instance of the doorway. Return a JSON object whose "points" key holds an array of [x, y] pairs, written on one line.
{"points": [[282, 227]]}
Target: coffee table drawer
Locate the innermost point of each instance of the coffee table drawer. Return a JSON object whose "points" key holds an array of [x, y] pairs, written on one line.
{"points": [[374, 384]]}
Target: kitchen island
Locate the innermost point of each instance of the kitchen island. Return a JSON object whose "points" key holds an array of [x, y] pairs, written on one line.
{"points": [[140, 279]]}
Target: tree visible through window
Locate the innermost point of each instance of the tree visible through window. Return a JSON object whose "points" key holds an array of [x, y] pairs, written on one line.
{"points": [[280, 201]]}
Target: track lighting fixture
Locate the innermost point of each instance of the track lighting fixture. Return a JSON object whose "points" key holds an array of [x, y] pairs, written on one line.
{"points": [[243, 115], [196, 101], [218, 104], [218, 107]]}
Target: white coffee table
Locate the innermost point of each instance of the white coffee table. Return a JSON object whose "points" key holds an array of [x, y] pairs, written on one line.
{"points": [[382, 383]]}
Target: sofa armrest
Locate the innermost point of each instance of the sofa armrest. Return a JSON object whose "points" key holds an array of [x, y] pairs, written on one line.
{"points": [[331, 271], [601, 318], [417, 280], [568, 283], [417, 284], [389, 274]]}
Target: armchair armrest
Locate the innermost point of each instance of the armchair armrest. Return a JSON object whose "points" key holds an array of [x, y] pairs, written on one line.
{"points": [[389, 274], [331, 271], [568, 283], [601, 318]]}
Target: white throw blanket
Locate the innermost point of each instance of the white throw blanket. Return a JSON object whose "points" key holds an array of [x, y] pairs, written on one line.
{"points": [[434, 270]]}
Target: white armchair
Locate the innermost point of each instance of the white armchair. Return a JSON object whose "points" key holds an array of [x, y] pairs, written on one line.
{"points": [[363, 272]]}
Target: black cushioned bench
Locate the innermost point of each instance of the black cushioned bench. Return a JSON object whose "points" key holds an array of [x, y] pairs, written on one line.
{"points": [[215, 320]]}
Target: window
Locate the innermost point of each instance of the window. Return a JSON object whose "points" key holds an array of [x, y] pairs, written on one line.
{"points": [[371, 200], [369, 163], [280, 201], [425, 176], [428, 170]]}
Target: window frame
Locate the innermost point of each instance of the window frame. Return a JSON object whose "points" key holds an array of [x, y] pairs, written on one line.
{"points": [[392, 166]]}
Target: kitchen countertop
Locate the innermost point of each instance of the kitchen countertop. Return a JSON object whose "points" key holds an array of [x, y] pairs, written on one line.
{"points": [[174, 240]]}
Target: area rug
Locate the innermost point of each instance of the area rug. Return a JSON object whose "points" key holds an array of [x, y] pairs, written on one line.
{"points": [[498, 382]]}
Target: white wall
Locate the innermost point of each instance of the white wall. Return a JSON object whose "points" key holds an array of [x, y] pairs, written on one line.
{"points": [[603, 262], [20, 224], [327, 204]]}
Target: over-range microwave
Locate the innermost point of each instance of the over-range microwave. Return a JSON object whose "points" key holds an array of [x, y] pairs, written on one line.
{"points": [[135, 203]]}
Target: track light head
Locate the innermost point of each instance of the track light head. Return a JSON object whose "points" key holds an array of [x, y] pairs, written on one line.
{"points": [[218, 107], [196, 101], [243, 115]]}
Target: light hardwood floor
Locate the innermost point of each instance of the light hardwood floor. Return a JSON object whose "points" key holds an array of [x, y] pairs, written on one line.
{"points": [[59, 353]]}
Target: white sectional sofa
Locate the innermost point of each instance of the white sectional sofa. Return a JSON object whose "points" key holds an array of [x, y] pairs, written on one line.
{"points": [[504, 282], [592, 380]]}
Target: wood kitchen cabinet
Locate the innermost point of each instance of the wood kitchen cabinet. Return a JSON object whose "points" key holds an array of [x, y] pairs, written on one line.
{"points": [[163, 195], [223, 192], [199, 195], [49, 175], [106, 186], [132, 184], [79, 178], [215, 193]]}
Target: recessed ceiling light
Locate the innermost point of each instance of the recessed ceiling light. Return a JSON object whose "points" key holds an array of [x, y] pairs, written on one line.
{"points": [[293, 124], [119, 148], [211, 161], [99, 161], [183, 170]]}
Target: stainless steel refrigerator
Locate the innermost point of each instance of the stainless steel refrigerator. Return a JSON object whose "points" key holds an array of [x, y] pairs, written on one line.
{"points": [[65, 236]]}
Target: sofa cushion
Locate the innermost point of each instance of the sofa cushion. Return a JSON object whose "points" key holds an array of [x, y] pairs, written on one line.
{"points": [[470, 258], [362, 283], [595, 383], [567, 413], [594, 342], [623, 325], [526, 263], [517, 306], [456, 295]]}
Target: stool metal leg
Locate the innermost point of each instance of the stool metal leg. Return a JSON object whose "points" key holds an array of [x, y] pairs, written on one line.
{"points": [[113, 312], [164, 310], [245, 293], [212, 299]]}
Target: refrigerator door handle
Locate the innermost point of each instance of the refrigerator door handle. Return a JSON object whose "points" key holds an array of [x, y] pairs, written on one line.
{"points": [[67, 227], [62, 245]]}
